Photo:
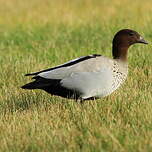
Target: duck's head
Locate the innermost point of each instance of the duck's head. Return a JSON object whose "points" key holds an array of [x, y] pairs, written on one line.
{"points": [[122, 40], [128, 37]]}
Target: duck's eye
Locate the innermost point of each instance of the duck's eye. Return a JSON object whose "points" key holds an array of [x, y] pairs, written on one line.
{"points": [[131, 34]]}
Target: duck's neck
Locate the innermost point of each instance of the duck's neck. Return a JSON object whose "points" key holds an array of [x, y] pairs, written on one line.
{"points": [[120, 52]]}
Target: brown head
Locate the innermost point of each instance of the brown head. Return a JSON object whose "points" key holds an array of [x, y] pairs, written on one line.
{"points": [[123, 40]]}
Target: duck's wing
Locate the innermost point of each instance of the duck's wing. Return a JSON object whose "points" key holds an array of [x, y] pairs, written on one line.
{"points": [[92, 63], [67, 64]]}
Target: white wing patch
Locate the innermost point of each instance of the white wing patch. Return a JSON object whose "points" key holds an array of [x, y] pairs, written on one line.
{"points": [[60, 71], [65, 71], [56, 74]]}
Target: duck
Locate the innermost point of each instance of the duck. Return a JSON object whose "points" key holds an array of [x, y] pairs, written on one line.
{"points": [[89, 77]]}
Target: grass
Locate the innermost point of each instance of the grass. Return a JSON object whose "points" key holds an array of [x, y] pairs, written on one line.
{"points": [[37, 34]]}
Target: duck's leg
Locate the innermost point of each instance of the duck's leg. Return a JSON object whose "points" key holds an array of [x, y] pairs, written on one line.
{"points": [[79, 100], [82, 101]]}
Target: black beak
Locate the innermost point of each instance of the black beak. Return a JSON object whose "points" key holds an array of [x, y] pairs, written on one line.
{"points": [[141, 40]]}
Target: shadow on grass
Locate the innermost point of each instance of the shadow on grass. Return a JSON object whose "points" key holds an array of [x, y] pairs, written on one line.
{"points": [[36, 100], [26, 101]]}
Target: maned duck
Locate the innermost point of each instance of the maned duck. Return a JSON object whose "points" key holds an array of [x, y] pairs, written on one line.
{"points": [[91, 76]]}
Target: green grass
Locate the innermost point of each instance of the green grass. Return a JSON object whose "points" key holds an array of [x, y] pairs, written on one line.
{"points": [[37, 34]]}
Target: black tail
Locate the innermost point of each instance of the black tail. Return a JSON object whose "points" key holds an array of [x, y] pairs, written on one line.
{"points": [[32, 85], [41, 83]]}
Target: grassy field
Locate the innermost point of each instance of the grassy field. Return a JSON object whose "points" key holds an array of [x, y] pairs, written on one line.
{"points": [[37, 34]]}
